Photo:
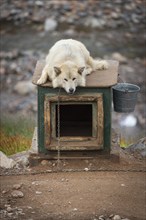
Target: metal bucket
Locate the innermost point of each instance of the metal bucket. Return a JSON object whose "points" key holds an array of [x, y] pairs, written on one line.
{"points": [[125, 97]]}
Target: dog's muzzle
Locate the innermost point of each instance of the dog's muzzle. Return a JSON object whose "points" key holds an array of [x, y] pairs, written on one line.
{"points": [[71, 91]]}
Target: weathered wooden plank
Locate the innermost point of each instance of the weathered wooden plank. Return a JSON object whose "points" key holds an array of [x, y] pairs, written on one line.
{"points": [[73, 138], [100, 120], [74, 98], [75, 145], [47, 122], [99, 78]]}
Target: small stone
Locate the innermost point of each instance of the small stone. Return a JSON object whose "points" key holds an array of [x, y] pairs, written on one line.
{"points": [[35, 183], [95, 23], [125, 219], [86, 169], [119, 57], [116, 217], [17, 186], [9, 209], [69, 32], [38, 192], [101, 217], [122, 184], [29, 207], [115, 15], [22, 213], [50, 25], [9, 214], [49, 171], [44, 162], [4, 192], [17, 194], [39, 3], [111, 216], [7, 205], [75, 209]]}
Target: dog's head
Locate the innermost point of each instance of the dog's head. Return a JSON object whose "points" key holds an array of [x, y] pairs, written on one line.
{"points": [[69, 77]]}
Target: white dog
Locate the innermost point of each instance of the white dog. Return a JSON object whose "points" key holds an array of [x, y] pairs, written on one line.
{"points": [[67, 65]]}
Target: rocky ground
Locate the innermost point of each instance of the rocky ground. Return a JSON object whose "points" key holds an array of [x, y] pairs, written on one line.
{"points": [[95, 187], [30, 28], [78, 195], [111, 31]]}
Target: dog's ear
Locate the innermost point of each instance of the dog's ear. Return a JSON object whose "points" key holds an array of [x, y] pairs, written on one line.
{"points": [[80, 70], [57, 70]]}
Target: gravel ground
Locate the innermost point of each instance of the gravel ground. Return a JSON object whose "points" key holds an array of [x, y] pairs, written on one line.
{"points": [[82, 196]]}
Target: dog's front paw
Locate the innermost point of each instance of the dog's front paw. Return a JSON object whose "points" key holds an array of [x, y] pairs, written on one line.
{"points": [[41, 81], [102, 65]]}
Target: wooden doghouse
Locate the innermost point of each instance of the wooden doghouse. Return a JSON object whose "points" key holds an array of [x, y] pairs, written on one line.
{"points": [[84, 117]]}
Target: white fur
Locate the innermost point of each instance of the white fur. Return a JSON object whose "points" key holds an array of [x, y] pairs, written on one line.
{"points": [[69, 57]]}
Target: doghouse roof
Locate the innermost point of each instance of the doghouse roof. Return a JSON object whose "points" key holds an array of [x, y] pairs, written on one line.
{"points": [[99, 78]]}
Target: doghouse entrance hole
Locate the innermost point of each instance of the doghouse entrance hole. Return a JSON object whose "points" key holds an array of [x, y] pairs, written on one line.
{"points": [[75, 120]]}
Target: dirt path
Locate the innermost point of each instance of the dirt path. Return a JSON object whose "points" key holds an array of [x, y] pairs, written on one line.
{"points": [[78, 195]]}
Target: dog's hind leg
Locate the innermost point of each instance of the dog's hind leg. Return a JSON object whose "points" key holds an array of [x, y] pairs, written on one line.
{"points": [[97, 64]]}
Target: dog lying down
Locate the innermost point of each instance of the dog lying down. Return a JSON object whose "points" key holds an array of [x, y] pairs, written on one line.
{"points": [[67, 65]]}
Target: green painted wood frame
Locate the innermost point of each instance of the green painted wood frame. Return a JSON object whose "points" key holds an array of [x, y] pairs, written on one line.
{"points": [[106, 92]]}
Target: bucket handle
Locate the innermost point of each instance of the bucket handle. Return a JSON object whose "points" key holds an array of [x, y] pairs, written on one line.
{"points": [[119, 77]]}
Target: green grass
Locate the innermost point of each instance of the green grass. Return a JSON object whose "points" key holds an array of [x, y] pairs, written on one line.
{"points": [[15, 134]]}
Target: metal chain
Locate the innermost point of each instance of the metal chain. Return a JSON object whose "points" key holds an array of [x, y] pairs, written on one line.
{"points": [[58, 130]]}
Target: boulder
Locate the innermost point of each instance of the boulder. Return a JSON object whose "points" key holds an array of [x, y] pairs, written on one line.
{"points": [[6, 162], [21, 158], [24, 87], [119, 57], [138, 148]]}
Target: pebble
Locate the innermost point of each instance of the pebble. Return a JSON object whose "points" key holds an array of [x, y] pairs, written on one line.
{"points": [[86, 169], [119, 57], [50, 25], [94, 22], [45, 162], [17, 194], [17, 186], [101, 217], [38, 192], [9, 214], [9, 209], [116, 217]]}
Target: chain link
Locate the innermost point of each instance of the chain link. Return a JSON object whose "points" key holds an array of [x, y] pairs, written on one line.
{"points": [[58, 130]]}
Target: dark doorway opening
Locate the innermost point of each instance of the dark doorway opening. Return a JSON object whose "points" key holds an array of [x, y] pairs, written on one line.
{"points": [[75, 120]]}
